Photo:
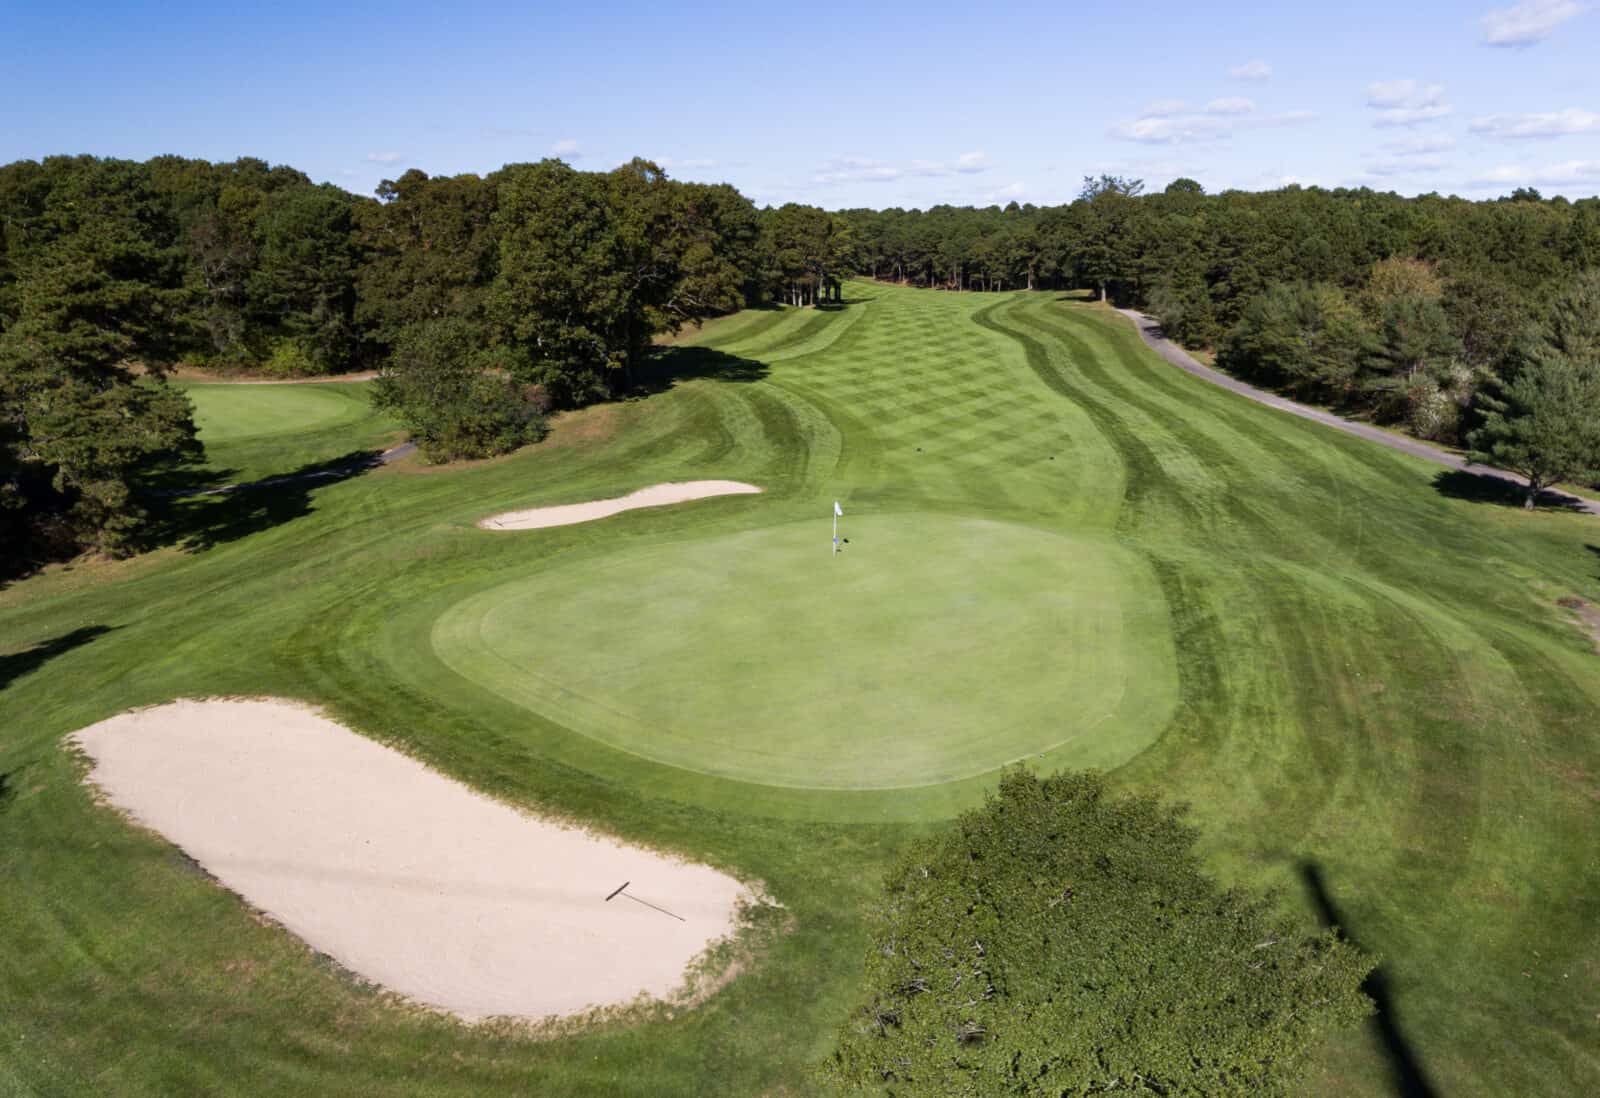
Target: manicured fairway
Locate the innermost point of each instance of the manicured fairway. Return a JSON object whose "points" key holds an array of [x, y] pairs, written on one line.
{"points": [[1358, 676], [933, 648]]}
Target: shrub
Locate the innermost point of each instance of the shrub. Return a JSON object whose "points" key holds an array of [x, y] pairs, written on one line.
{"points": [[1063, 941]]}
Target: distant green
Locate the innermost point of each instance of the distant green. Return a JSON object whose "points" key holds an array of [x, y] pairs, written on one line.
{"points": [[255, 429]]}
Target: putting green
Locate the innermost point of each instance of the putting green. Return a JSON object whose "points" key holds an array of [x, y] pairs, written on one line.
{"points": [[933, 648], [233, 413]]}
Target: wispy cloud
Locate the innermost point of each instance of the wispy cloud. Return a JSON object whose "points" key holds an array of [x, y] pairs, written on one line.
{"points": [[1251, 70], [1570, 171], [1406, 102], [856, 169], [385, 157], [1185, 129], [1221, 120], [861, 169], [1231, 105], [1420, 145], [1406, 165], [1522, 127], [1165, 108], [1527, 23], [567, 147]]}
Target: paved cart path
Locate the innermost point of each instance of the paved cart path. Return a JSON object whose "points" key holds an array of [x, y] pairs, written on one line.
{"points": [[1150, 329]]}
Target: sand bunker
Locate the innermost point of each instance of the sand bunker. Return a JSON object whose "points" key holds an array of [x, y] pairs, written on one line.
{"points": [[404, 876], [657, 495]]}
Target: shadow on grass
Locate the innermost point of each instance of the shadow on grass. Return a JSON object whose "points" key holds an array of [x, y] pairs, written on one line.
{"points": [[18, 664], [1595, 549], [1488, 488], [669, 365], [200, 516], [1405, 1069]]}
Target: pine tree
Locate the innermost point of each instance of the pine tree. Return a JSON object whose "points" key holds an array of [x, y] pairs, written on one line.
{"points": [[1544, 422]]}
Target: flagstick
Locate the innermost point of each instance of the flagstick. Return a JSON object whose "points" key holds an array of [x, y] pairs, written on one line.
{"points": [[836, 533]]}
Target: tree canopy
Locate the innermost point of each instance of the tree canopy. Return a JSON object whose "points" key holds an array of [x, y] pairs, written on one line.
{"points": [[554, 282], [1544, 420], [1062, 940]]}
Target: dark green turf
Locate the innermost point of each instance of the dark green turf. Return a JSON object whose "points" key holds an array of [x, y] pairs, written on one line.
{"points": [[1379, 708]]}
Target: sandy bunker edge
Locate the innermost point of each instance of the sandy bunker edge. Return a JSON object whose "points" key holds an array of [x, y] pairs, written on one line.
{"points": [[656, 495], [406, 877]]}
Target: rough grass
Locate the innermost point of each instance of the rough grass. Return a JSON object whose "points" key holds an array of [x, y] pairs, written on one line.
{"points": [[1380, 709]]}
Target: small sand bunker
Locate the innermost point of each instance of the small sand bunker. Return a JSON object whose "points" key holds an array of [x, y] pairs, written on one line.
{"points": [[404, 876], [657, 495]]}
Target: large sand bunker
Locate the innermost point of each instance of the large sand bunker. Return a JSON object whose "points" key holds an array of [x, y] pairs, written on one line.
{"points": [[404, 876], [657, 495]]}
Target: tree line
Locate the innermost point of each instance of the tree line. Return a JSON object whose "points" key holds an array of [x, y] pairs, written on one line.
{"points": [[485, 302]]}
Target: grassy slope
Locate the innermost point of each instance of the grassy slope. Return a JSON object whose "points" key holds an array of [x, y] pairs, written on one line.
{"points": [[1375, 693]]}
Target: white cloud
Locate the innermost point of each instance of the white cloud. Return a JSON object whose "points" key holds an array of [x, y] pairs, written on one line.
{"points": [[1189, 129], [1571, 171], [861, 169], [1231, 105], [1165, 108], [384, 158], [1411, 116], [1405, 102], [1251, 70], [567, 146], [1181, 130], [1528, 22], [1421, 145], [1406, 165], [1390, 93], [856, 169], [1513, 127]]}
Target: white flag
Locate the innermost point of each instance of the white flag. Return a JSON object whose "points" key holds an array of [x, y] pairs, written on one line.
{"points": [[836, 510]]}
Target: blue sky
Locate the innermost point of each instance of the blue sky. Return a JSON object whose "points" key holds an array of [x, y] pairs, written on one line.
{"points": [[871, 104]]}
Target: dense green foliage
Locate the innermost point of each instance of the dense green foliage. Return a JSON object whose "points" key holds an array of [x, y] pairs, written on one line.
{"points": [[90, 281], [1061, 941], [452, 395], [1544, 421], [553, 283], [1381, 710], [484, 302]]}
